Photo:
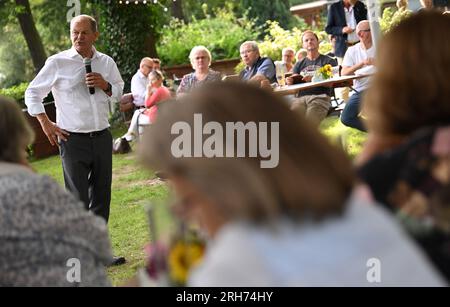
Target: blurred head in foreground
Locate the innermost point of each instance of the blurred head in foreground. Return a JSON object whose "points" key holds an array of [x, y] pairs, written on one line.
{"points": [[311, 178], [411, 88], [15, 133], [282, 212]]}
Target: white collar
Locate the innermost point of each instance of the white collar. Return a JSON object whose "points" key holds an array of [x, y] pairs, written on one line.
{"points": [[141, 75], [74, 53]]}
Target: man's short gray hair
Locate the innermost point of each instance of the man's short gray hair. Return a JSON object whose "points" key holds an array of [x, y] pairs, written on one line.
{"points": [[251, 43], [91, 19]]}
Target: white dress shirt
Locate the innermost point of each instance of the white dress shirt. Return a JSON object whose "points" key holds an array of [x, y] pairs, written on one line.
{"points": [[76, 110], [351, 22], [139, 84]]}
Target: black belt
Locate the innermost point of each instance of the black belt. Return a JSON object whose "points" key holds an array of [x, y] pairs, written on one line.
{"points": [[90, 134]]}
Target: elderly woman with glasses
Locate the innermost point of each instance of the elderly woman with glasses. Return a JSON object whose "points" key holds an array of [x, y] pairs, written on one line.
{"points": [[200, 60]]}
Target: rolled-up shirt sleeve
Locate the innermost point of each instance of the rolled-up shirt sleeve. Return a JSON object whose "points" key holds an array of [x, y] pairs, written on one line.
{"points": [[267, 69], [40, 87]]}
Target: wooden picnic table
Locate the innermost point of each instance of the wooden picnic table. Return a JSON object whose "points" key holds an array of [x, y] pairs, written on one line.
{"points": [[342, 81]]}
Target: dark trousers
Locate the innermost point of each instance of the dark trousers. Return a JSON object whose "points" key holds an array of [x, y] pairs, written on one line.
{"points": [[87, 167], [350, 114]]}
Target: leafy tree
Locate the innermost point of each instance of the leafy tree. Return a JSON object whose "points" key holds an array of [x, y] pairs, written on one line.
{"points": [[22, 11], [128, 33], [275, 10]]}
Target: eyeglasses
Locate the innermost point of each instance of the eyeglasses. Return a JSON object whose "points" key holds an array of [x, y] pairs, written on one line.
{"points": [[244, 52], [149, 67], [200, 58]]}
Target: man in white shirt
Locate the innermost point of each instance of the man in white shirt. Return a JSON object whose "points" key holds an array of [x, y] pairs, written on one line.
{"points": [[343, 16], [139, 82], [358, 59], [82, 127]]}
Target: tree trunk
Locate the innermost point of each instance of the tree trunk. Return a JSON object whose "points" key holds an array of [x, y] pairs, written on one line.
{"points": [[31, 35], [177, 10], [150, 46]]}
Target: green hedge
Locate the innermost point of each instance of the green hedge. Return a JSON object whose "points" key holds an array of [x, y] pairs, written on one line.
{"points": [[16, 92], [221, 34]]}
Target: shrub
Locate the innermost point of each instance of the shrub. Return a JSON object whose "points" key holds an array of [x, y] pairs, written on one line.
{"points": [[391, 18], [221, 34], [16, 92]]}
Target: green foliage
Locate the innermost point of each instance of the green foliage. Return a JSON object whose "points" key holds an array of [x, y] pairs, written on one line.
{"points": [[16, 92], [128, 33], [52, 24], [391, 18], [278, 38], [263, 10], [16, 65], [221, 34]]}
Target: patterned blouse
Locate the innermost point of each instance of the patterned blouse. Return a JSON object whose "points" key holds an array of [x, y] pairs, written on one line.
{"points": [[190, 81]]}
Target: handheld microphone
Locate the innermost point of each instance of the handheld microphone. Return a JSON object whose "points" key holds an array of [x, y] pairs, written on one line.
{"points": [[87, 66]]}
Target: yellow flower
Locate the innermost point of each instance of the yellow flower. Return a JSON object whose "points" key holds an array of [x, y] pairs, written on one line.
{"points": [[182, 258], [326, 71]]}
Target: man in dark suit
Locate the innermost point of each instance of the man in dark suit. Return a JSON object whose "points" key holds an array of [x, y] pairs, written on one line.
{"points": [[343, 16]]}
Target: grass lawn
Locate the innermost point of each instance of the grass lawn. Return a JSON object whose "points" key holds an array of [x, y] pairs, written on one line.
{"points": [[133, 187]]}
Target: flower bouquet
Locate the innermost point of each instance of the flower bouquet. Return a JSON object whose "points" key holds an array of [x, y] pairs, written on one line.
{"points": [[170, 264], [323, 73]]}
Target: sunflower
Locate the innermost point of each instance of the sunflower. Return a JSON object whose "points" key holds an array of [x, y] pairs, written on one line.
{"points": [[184, 256]]}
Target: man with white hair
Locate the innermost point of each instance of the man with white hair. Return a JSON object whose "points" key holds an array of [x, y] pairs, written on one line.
{"points": [[358, 59], [257, 68], [139, 82]]}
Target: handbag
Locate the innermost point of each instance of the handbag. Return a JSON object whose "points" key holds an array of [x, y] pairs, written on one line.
{"points": [[121, 146]]}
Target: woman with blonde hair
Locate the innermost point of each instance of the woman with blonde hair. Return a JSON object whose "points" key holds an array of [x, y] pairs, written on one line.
{"points": [[295, 221], [156, 94], [200, 58], [45, 233], [406, 158]]}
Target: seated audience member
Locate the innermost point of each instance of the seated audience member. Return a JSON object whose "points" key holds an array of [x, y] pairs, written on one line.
{"points": [[45, 232], [359, 59], [297, 221], [313, 103], [300, 55], [156, 64], [200, 58], [288, 58], [257, 68], [139, 82], [156, 93], [405, 160]]}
